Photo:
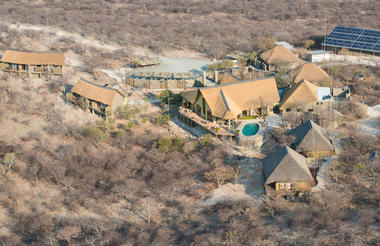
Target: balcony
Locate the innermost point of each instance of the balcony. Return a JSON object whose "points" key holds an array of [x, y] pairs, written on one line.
{"points": [[41, 70], [57, 70]]}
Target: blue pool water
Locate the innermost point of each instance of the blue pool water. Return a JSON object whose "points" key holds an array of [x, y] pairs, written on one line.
{"points": [[250, 129]]}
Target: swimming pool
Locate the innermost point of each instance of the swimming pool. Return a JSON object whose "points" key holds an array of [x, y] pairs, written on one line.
{"points": [[250, 129]]}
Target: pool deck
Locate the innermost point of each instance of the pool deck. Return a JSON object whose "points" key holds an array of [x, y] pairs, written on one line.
{"points": [[254, 140], [194, 119]]}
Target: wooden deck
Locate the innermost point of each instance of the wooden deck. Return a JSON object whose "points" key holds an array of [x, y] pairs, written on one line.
{"points": [[213, 128]]}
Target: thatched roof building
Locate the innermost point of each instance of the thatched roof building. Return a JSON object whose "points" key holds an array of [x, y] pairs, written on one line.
{"points": [[229, 100], [108, 96], [312, 73], [299, 95], [286, 166], [227, 78], [33, 58], [279, 55], [310, 137]]}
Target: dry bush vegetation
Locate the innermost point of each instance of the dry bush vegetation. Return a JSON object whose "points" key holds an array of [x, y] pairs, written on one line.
{"points": [[103, 183], [366, 90], [68, 178], [213, 26]]}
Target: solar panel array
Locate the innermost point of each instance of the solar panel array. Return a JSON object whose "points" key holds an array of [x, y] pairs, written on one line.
{"points": [[354, 38]]}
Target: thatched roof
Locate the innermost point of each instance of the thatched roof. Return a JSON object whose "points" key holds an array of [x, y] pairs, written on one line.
{"points": [[190, 95], [310, 72], [95, 92], [279, 55], [229, 100], [299, 94], [311, 137], [227, 78], [33, 58], [286, 165]]}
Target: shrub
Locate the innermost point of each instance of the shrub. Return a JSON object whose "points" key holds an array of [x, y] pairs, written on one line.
{"points": [[178, 142], [95, 133], [267, 43], [129, 124], [121, 133], [125, 113], [308, 43], [206, 140], [164, 144], [172, 97], [56, 85], [220, 175], [162, 119], [361, 167]]}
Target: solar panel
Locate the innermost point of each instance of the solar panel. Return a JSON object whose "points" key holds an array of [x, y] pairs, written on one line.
{"points": [[362, 46], [354, 38], [372, 33], [368, 39]]}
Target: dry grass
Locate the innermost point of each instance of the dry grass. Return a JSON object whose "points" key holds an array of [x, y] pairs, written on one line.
{"points": [[212, 27]]}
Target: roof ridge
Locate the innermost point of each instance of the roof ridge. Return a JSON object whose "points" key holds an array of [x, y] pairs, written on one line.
{"points": [[357, 28], [225, 100], [234, 83], [92, 83], [35, 52]]}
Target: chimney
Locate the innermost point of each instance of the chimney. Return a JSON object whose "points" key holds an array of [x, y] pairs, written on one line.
{"points": [[216, 76], [204, 78]]}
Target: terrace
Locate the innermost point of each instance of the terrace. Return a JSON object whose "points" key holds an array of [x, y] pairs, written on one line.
{"points": [[192, 119]]}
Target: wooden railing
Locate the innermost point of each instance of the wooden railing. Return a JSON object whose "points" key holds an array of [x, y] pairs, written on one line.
{"points": [[57, 70], [40, 69]]}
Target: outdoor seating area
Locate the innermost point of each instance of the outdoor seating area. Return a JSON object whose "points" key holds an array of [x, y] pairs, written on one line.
{"points": [[192, 119]]}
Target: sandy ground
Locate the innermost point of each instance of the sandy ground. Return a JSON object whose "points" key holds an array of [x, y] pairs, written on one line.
{"points": [[183, 53], [354, 60], [58, 33], [370, 125], [250, 183], [179, 65], [228, 192], [55, 33]]}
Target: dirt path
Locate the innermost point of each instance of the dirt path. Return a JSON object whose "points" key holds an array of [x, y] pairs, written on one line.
{"points": [[354, 60], [370, 125]]}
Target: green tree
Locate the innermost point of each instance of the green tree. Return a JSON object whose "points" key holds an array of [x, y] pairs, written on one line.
{"points": [[252, 56], [213, 67], [225, 65], [170, 97]]}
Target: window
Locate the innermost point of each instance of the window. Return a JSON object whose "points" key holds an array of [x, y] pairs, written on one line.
{"points": [[285, 186], [311, 110], [24, 67]]}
